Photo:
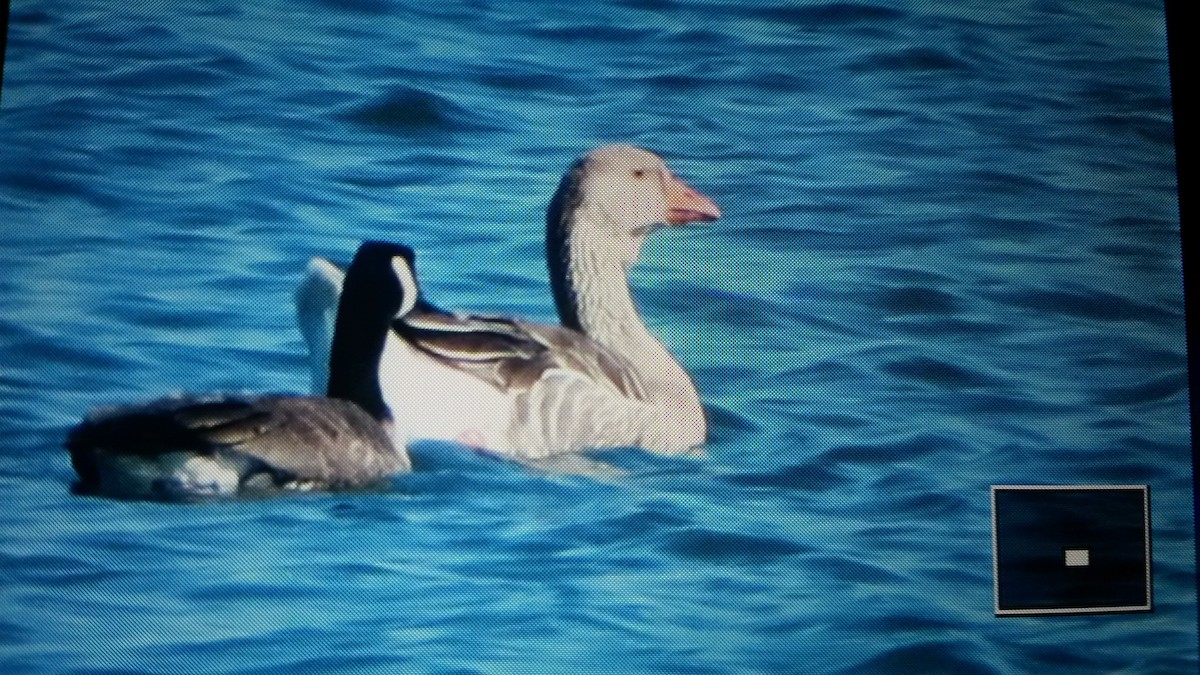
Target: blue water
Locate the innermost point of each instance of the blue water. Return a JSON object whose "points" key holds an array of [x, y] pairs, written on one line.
{"points": [[949, 259]]}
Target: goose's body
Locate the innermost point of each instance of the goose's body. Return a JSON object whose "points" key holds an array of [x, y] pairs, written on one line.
{"points": [[219, 445], [528, 390], [189, 447], [521, 389]]}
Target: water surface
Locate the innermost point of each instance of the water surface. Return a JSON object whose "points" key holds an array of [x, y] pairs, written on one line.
{"points": [[949, 259]]}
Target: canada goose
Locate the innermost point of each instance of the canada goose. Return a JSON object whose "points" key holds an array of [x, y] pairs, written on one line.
{"points": [[220, 445], [527, 390]]}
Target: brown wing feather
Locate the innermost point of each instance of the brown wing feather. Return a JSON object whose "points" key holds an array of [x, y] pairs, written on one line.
{"points": [[303, 438], [330, 441], [512, 355]]}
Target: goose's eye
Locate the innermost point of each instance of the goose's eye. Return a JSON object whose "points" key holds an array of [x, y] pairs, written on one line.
{"points": [[639, 173]]}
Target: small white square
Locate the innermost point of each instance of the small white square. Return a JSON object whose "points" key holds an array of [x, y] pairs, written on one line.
{"points": [[1076, 557]]}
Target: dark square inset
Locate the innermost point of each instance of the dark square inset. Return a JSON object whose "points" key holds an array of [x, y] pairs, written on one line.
{"points": [[1033, 528]]}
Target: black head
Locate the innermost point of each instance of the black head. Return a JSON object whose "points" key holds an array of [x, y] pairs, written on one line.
{"points": [[381, 280]]}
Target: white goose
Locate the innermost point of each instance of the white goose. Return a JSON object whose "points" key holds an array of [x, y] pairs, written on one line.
{"points": [[527, 390], [220, 446]]}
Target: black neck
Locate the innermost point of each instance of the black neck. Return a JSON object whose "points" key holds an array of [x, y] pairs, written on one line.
{"points": [[558, 250], [358, 340]]}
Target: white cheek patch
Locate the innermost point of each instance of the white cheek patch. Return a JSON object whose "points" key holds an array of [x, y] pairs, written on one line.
{"points": [[408, 285]]}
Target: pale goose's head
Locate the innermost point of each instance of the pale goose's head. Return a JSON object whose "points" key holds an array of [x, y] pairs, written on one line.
{"points": [[612, 198]]}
